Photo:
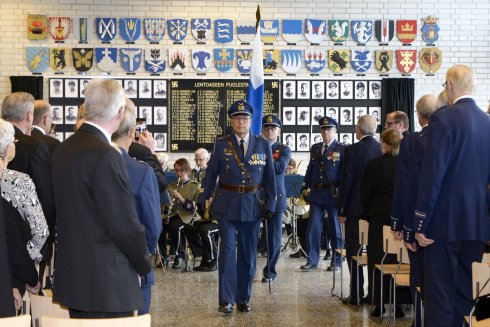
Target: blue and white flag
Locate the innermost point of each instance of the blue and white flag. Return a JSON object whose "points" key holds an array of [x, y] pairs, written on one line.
{"points": [[255, 92]]}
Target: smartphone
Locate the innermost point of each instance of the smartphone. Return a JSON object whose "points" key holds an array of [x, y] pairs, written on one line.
{"points": [[140, 127]]}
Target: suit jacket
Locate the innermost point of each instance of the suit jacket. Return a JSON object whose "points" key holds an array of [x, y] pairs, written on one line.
{"points": [[143, 153], [7, 308], [259, 164], [32, 158], [51, 142], [405, 160], [281, 155], [451, 204], [101, 243], [332, 163], [355, 158], [377, 187]]}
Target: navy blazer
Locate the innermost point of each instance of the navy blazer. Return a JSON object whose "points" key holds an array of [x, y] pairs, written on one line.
{"points": [[147, 199], [404, 161], [451, 204], [332, 163], [355, 158], [281, 155], [223, 166]]}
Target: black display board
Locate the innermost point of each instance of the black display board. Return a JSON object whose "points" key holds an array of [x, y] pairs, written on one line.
{"points": [[198, 109]]}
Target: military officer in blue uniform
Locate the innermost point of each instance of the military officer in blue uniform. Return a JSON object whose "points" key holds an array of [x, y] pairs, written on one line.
{"points": [[451, 216], [241, 179], [271, 127], [322, 179]]}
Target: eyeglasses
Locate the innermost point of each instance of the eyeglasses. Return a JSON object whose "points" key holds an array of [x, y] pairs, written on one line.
{"points": [[199, 160], [389, 123], [241, 118], [444, 84]]}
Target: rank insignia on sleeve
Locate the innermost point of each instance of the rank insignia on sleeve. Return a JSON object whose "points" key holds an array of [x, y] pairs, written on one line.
{"points": [[37, 26], [292, 30], [177, 29], [430, 59], [130, 29], [59, 27], [430, 29], [338, 30], [154, 29], [362, 31], [315, 30], [406, 30], [201, 60], [223, 30], [269, 30], [131, 59], [406, 60], [106, 29], [223, 59], [83, 58], [315, 60], [37, 59], [106, 58], [201, 28], [291, 61]]}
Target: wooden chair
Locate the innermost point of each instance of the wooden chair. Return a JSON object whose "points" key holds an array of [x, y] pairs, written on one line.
{"points": [[399, 279], [138, 321], [342, 254], [19, 321], [481, 286], [361, 258], [390, 246], [44, 306]]}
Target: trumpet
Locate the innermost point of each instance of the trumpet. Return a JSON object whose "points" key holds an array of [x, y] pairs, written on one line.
{"points": [[167, 208]]}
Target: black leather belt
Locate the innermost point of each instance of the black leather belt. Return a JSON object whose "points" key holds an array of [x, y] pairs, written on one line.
{"points": [[239, 188], [321, 187]]}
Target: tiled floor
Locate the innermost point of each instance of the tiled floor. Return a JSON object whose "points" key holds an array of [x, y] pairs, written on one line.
{"points": [[297, 299]]}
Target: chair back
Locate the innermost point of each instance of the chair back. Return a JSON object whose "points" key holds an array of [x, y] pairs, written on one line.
{"points": [[19, 321], [389, 244], [402, 255], [44, 306], [485, 258], [363, 231], [480, 279], [138, 321]]}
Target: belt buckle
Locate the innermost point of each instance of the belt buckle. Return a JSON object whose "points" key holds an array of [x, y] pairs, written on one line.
{"points": [[241, 188], [320, 187]]}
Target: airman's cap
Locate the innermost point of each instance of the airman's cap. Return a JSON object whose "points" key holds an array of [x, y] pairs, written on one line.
{"points": [[328, 122], [240, 107], [271, 120]]}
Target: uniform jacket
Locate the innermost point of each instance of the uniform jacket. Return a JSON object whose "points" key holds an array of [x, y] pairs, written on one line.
{"points": [[355, 158], [281, 155], [51, 142], [451, 204], [189, 191], [258, 162], [143, 153], [101, 243], [332, 162]]}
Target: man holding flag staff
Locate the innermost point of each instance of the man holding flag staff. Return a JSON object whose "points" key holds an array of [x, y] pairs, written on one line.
{"points": [[241, 180]]}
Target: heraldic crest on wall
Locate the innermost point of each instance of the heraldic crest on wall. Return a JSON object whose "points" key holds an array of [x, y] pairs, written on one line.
{"points": [[176, 59], [106, 29], [177, 29], [82, 29], [430, 59], [223, 30], [106, 58], [201, 28], [291, 61], [154, 29], [37, 59], [315, 30], [315, 60], [201, 60], [131, 59], [430, 29], [59, 27], [292, 30], [244, 60], [271, 59], [338, 30], [383, 60], [406, 60], [223, 59], [338, 60], [37, 26], [245, 30], [83, 59], [130, 29], [269, 30], [361, 60], [362, 31], [57, 59], [154, 60], [384, 30], [406, 30]]}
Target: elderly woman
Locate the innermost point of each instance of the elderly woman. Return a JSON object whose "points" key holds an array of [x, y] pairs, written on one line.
{"points": [[377, 187], [19, 192]]}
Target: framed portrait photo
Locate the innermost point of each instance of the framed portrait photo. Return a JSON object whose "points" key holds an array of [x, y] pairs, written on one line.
{"points": [[55, 88], [145, 112], [71, 88], [303, 90], [375, 90], [289, 139], [304, 116], [376, 113], [160, 116], [361, 90], [289, 90], [318, 90], [160, 89], [83, 85], [346, 91], [346, 116], [130, 88], [145, 88], [303, 142], [161, 139], [332, 90]]}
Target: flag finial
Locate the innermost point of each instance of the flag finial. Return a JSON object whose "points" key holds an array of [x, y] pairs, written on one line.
{"points": [[257, 15]]}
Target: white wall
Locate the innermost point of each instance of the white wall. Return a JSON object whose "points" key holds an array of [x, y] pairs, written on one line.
{"points": [[464, 36]]}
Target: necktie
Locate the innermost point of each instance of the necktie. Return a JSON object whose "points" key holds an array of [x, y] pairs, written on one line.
{"points": [[242, 148], [324, 151]]}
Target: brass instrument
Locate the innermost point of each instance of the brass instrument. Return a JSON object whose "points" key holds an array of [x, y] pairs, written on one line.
{"points": [[167, 208]]}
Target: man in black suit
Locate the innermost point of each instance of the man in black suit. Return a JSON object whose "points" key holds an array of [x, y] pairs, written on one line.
{"points": [[42, 124], [32, 158], [355, 158], [7, 308], [101, 243]]}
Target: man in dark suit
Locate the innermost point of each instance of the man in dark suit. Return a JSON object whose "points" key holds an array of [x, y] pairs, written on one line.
{"points": [[451, 216], [41, 124], [355, 158], [322, 179], [271, 127], [101, 245], [7, 308], [397, 120], [145, 191], [244, 165], [32, 158]]}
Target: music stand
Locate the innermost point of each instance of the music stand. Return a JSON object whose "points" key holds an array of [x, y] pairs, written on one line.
{"points": [[293, 184]]}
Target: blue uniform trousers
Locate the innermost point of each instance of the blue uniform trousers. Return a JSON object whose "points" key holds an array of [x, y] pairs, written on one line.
{"points": [[146, 283], [416, 281], [237, 267], [274, 234], [447, 281], [314, 231]]}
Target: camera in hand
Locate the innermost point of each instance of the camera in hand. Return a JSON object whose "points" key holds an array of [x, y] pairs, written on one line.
{"points": [[140, 127]]}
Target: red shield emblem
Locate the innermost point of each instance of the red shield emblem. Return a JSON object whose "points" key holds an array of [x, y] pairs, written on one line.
{"points": [[406, 30], [59, 27], [406, 60]]}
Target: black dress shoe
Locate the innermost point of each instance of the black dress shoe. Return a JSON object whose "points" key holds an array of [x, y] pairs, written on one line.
{"points": [[327, 256], [226, 308], [352, 301], [243, 307], [308, 267], [177, 263], [376, 313], [201, 267], [211, 266], [266, 280], [295, 255], [399, 312], [332, 268]]}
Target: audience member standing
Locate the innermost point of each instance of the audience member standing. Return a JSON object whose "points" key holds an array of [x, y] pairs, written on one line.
{"points": [[350, 211], [41, 124], [100, 238], [451, 217]]}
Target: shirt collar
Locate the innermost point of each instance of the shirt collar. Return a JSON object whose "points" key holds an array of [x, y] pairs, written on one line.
{"points": [[463, 97], [39, 129], [102, 129], [245, 139]]}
